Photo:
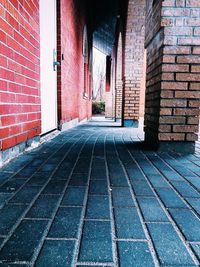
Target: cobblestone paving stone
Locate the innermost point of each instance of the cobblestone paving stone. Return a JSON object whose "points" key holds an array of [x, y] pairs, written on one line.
{"points": [[93, 197]]}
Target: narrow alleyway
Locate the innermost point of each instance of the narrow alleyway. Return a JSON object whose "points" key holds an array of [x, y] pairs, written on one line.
{"points": [[92, 197]]}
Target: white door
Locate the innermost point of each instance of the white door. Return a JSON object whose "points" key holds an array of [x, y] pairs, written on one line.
{"points": [[48, 76]]}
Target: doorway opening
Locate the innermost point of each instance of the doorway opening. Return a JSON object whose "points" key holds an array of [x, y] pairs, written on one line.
{"points": [[48, 59], [99, 84]]}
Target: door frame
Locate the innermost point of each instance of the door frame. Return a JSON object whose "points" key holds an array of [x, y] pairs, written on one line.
{"points": [[46, 131]]}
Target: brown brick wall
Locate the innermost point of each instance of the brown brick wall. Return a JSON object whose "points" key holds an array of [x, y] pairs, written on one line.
{"points": [[134, 58], [143, 88], [119, 82], [173, 73]]}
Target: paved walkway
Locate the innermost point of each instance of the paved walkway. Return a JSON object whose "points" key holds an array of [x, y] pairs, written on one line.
{"points": [[91, 197]]}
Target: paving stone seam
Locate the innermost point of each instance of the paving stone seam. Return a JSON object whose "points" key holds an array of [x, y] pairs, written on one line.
{"points": [[168, 182], [192, 162], [197, 150], [180, 160], [154, 222], [9, 172], [174, 189], [27, 180], [123, 206], [35, 219], [165, 209], [118, 187], [96, 220], [95, 264], [113, 228], [32, 202], [71, 206], [24, 166], [12, 161], [58, 204], [80, 231], [146, 197], [174, 170], [175, 226], [61, 238], [36, 253], [22, 263], [150, 243], [195, 215], [75, 186], [132, 240], [98, 195], [17, 204]]}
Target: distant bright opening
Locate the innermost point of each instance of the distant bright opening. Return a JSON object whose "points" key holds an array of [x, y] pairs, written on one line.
{"points": [[99, 82]]}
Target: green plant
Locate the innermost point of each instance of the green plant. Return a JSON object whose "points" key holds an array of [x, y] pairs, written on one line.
{"points": [[98, 107]]}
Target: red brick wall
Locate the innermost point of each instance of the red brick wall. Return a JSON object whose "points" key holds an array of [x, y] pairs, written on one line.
{"points": [[173, 78], [71, 104], [19, 72], [134, 58]]}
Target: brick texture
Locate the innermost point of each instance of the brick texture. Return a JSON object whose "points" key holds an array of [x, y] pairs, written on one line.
{"points": [[20, 117], [73, 77], [134, 58], [20, 106], [173, 73], [119, 80]]}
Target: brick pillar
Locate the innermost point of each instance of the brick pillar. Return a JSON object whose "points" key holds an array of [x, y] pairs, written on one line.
{"points": [[110, 95], [134, 60], [173, 71], [113, 84], [108, 73], [119, 82]]}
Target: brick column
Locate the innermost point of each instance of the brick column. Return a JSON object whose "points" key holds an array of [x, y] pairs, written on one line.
{"points": [[108, 73], [134, 60], [110, 95], [119, 82], [173, 70]]}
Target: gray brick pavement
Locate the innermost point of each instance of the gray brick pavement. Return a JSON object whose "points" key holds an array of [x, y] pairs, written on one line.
{"points": [[93, 197]]}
